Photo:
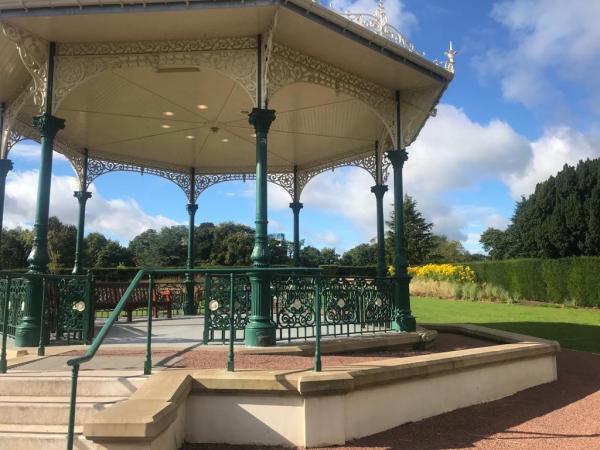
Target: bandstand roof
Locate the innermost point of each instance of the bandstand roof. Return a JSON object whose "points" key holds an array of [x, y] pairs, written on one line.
{"points": [[167, 85]]}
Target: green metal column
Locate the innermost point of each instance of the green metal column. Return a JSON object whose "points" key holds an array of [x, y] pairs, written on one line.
{"points": [[296, 207], [379, 190], [189, 309], [82, 197], [190, 306], [28, 331], [404, 320], [260, 330]]}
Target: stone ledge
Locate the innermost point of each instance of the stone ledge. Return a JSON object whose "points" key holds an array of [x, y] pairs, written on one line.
{"points": [[153, 411]]}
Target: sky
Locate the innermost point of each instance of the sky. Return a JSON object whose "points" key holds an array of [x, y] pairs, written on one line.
{"points": [[525, 100]]}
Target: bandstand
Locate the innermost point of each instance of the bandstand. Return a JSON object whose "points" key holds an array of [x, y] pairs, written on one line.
{"points": [[205, 92]]}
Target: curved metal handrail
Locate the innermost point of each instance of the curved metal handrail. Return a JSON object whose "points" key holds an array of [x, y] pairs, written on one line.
{"points": [[75, 363]]}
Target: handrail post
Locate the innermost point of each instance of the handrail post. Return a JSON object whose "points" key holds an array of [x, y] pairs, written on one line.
{"points": [[148, 362], [71, 429], [3, 363], [41, 351], [318, 324], [230, 356]]}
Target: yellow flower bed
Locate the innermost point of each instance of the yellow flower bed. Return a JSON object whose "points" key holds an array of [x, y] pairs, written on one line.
{"points": [[445, 272]]}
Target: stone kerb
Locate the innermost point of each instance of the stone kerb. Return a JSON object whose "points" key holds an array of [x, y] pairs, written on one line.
{"points": [[305, 408]]}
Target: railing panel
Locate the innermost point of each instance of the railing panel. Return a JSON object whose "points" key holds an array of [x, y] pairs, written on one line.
{"points": [[217, 309]]}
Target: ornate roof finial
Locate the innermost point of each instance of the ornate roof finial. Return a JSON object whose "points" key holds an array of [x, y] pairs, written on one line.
{"points": [[381, 18], [450, 54]]}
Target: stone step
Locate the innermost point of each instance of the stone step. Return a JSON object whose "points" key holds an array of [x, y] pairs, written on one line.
{"points": [[16, 385], [42, 441], [35, 410]]}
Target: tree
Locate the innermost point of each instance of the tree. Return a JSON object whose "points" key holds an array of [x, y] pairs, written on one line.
{"points": [[114, 254], [418, 236], [447, 250], [310, 256], [328, 256], [94, 243], [15, 248], [61, 244], [145, 250], [361, 255], [561, 218]]}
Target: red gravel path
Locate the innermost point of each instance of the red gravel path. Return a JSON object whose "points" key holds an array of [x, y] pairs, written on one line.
{"points": [[209, 359], [560, 415]]}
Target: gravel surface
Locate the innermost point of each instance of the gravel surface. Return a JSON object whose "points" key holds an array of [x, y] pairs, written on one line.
{"points": [[209, 359], [560, 415]]}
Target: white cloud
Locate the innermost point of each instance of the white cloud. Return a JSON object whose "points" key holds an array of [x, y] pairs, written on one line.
{"points": [[557, 147], [122, 219], [549, 41], [404, 21], [454, 155], [29, 151]]}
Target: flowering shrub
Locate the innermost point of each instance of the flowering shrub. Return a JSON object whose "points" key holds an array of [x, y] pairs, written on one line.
{"points": [[444, 272]]}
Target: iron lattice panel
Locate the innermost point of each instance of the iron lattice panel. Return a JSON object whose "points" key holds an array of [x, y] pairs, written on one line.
{"points": [[217, 311]]}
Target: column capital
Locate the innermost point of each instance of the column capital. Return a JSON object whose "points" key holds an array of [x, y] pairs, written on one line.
{"points": [[48, 125], [379, 189], [82, 196], [397, 157], [191, 208], [261, 119], [296, 206], [6, 166]]}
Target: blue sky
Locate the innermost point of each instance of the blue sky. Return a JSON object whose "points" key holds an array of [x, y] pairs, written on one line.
{"points": [[524, 102]]}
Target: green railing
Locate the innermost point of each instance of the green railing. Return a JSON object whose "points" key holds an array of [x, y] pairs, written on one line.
{"points": [[75, 363], [66, 310]]}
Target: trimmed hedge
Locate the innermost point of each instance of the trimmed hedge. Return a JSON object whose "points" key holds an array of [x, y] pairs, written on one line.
{"points": [[332, 270], [574, 280]]}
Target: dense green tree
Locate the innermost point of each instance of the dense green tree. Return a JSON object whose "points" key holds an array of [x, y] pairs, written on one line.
{"points": [[15, 248], [145, 249], [94, 243], [310, 256], [419, 238], [114, 254], [447, 250], [203, 240], [561, 218], [361, 255], [61, 244], [328, 256]]}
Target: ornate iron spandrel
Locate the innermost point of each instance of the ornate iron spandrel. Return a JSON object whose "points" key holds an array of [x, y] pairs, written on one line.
{"points": [[216, 304]]}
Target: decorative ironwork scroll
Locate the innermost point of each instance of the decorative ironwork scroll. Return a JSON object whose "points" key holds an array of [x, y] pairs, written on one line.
{"points": [[216, 305], [293, 300], [289, 66], [232, 56], [33, 51]]}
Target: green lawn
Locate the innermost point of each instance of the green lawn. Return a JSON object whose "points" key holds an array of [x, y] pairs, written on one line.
{"points": [[574, 328]]}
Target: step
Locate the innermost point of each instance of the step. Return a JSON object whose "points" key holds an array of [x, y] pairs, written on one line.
{"points": [[14, 385], [36, 410], [42, 441]]}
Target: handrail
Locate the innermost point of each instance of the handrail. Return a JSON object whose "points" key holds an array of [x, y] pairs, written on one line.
{"points": [[91, 351], [75, 363]]}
